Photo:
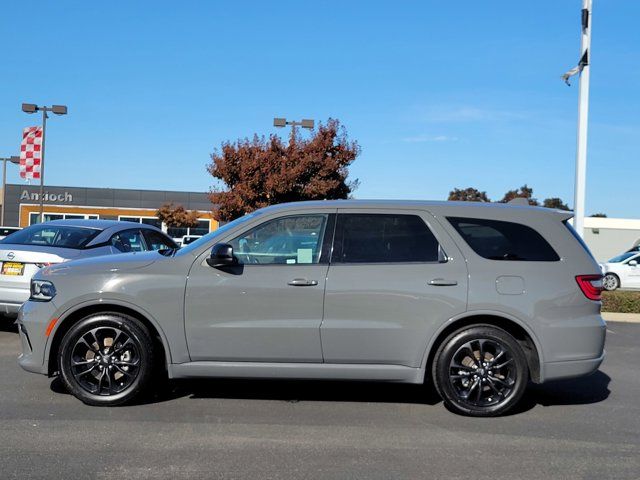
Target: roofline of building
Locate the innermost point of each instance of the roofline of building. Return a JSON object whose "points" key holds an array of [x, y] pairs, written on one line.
{"points": [[613, 223]]}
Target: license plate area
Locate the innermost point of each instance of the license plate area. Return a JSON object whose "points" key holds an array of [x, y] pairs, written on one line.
{"points": [[12, 268]]}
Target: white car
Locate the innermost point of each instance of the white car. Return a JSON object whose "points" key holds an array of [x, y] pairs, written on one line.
{"points": [[622, 271], [6, 231], [24, 253]]}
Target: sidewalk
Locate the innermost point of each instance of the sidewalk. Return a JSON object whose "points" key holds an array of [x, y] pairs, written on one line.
{"points": [[621, 317]]}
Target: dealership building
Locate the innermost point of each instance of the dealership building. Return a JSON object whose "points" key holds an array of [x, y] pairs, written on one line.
{"points": [[22, 206], [608, 237]]}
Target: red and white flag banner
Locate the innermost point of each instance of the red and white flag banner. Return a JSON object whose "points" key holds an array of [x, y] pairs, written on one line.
{"points": [[31, 153]]}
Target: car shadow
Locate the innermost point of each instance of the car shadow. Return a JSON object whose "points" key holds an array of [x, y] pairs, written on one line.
{"points": [[576, 391], [580, 391], [8, 324]]}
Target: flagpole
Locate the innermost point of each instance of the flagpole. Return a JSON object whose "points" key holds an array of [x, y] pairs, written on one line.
{"points": [[583, 116], [41, 198], [33, 108]]}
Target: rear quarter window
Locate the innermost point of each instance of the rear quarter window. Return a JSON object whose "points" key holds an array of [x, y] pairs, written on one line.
{"points": [[500, 240]]}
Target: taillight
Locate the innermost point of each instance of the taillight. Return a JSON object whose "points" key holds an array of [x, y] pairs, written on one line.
{"points": [[45, 264], [591, 286]]}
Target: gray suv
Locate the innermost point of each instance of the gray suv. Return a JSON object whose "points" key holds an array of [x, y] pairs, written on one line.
{"points": [[477, 298]]}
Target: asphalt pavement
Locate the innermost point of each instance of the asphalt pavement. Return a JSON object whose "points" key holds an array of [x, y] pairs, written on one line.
{"points": [[586, 428]]}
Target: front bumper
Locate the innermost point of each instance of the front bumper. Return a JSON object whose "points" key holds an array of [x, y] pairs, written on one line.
{"points": [[33, 319]]}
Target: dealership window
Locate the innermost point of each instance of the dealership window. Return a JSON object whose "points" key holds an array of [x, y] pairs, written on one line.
{"points": [[34, 217], [155, 221], [202, 228]]}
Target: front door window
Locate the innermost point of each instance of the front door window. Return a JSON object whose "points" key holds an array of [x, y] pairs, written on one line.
{"points": [[285, 241]]}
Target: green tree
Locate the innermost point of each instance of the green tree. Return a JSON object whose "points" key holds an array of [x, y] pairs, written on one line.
{"points": [[599, 215], [261, 172]]}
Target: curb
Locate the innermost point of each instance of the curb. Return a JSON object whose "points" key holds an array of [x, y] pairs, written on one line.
{"points": [[621, 317]]}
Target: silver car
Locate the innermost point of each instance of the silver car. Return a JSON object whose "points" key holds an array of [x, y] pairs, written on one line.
{"points": [[26, 251], [477, 298]]}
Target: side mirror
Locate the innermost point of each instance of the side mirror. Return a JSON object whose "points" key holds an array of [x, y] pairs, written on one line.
{"points": [[633, 263], [221, 256]]}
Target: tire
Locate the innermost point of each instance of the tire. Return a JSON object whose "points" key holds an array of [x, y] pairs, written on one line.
{"points": [[610, 282], [470, 388], [117, 372]]}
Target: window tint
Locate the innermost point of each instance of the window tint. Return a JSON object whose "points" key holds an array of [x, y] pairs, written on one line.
{"points": [[288, 240], [498, 240], [157, 241], [128, 241], [53, 236], [383, 238]]}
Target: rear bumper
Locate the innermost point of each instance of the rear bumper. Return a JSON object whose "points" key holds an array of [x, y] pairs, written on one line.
{"points": [[11, 298], [572, 368], [574, 347]]}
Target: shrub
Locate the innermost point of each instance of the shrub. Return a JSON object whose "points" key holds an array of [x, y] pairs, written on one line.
{"points": [[621, 301]]}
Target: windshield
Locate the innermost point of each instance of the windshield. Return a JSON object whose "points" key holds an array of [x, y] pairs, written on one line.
{"points": [[623, 257], [192, 247], [53, 236]]}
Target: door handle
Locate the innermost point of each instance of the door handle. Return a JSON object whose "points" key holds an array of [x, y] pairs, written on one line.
{"points": [[441, 282], [302, 282]]}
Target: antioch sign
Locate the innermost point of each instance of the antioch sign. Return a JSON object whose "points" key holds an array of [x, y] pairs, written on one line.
{"points": [[64, 197]]}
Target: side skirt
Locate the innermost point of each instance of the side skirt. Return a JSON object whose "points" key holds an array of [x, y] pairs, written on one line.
{"points": [[320, 371]]}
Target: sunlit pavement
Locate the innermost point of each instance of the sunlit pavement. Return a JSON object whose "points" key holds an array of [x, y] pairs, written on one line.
{"points": [[587, 428]]}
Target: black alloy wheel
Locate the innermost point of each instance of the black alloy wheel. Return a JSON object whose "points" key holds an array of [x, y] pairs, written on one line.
{"points": [[480, 371], [106, 359]]}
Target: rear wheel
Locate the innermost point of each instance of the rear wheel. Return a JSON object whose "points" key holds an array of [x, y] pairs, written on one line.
{"points": [[610, 282], [480, 371], [106, 359]]}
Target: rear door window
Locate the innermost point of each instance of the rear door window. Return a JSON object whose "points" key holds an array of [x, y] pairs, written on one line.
{"points": [[499, 240], [383, 238]]}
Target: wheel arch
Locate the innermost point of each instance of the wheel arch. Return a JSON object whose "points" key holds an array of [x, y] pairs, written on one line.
{"points": [[71, 317], [515, 328]]}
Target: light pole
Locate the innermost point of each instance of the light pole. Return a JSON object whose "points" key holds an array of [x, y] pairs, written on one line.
{"points": [[12, 159], [283, 122], [582, 69], [58, 110]]}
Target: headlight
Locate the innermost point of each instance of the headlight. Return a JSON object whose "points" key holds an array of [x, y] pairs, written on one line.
{"points": [[42, 290]]}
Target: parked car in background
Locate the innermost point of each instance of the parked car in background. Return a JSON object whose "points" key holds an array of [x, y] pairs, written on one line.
{"points": [[622, 271], [6, 231], [187, 239], [477, 298], [25, 252]]}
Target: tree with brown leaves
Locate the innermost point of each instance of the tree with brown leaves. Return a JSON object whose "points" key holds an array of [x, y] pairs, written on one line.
{"points": [[522, 192], [260, 172], [468, 195], [555, 202], [177, 216]]}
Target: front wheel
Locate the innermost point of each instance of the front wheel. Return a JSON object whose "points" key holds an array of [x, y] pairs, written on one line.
{"points": [[480, 371], [106, 359], [610, 282]]}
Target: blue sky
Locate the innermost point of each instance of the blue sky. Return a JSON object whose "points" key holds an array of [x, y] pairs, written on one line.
{"points": [[438, 94]]}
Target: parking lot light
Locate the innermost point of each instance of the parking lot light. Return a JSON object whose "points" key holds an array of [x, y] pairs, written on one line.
{"points": [[283, 122], [13, 159]]}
